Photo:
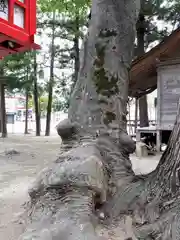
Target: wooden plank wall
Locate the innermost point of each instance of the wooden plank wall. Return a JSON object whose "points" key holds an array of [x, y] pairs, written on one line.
{"points": [[168, 95]]}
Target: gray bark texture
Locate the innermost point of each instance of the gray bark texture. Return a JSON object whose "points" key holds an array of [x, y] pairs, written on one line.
{"points": [[92, 181]]}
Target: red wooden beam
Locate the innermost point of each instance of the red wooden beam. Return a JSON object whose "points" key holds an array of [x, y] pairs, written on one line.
{"points": [[32, 17], [11, 32]]}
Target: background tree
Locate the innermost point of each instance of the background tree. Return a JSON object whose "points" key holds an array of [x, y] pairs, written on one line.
{"points": [[34, 77], [51, 78], [65, 31], [15, 79], [23, 72]]}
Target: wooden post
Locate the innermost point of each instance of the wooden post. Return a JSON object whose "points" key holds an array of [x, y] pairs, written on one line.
{"points": [[136, 114], [158, 140]]}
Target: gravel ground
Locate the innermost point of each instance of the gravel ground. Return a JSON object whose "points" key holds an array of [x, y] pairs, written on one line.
{"points": [[18, 170]]}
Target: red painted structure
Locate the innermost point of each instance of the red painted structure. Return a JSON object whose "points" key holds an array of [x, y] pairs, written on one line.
{"points": [[14, 38]]}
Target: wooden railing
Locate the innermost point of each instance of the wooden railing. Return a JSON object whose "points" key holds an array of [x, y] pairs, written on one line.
{"points": [[131, 126]]}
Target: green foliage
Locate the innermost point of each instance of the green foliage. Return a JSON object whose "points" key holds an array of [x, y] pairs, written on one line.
{"points": [[15, 69], [151, 7], [66, 29], [60, 105], [70, 19], [69, 7], [161, 17], [43, 102]]}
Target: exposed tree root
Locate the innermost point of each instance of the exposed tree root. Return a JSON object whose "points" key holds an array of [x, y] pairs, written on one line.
{"points": [[94, 179], [153, 200]]}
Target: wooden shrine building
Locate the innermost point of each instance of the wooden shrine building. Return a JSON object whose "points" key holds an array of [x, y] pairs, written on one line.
{"points": [[159, 68]]}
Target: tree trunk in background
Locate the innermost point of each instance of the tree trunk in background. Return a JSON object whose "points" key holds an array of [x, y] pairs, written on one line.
{"points": [[3, 111], [40, 110], [143, 111], [51, 79], [76, 49], [36, 104], [141, 28], [26, 116]]}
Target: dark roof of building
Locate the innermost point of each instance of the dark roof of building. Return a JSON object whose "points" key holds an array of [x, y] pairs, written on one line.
{"points": [[143, 74]]}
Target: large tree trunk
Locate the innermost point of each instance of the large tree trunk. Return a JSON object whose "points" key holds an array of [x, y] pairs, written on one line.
{"points": [[95, 134], [51, 79], [158, 204], [98, 103], [36, 104]]}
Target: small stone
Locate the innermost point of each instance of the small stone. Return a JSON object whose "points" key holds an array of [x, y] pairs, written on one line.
{"points": [[11, 152], [101, 215], [97, 133], [81, 227]]}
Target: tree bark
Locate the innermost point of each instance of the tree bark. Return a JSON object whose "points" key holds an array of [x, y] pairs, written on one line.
{"points": [[3, 111], [98, 103], [51, 80], [157, 206], [36, 104]]}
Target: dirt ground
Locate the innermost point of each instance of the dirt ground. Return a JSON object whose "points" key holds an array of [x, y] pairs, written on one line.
{"points": [[17, 172]]}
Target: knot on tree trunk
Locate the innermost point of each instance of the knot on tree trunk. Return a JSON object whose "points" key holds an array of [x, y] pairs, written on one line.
{"points": [[66, 130]]}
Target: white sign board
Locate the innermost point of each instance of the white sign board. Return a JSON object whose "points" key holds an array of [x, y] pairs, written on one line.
{"points": [[10, 104]]}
